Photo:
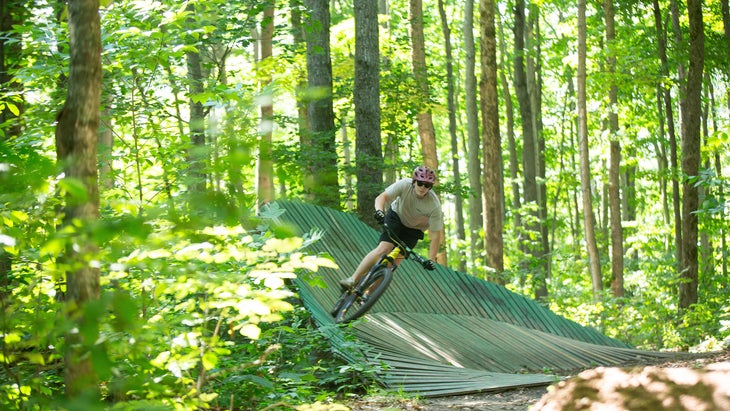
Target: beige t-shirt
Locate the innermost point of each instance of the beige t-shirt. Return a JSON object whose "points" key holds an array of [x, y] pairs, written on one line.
{"points": [[420, 213]]}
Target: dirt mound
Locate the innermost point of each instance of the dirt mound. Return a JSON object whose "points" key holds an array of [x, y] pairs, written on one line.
{"points": [[701, 369], [647, 388]]}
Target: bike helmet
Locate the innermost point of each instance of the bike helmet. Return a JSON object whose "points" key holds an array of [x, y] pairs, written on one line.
{"points": [[423, 173]]}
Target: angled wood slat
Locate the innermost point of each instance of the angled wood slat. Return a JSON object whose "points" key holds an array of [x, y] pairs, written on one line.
{"points": [[444, 332]]}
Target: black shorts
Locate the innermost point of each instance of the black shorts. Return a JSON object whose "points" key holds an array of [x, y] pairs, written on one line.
{"points": [[409, 236]]}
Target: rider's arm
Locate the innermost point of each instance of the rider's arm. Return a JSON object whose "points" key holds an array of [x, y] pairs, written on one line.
{"points": [[434, 238], [380, 201]]}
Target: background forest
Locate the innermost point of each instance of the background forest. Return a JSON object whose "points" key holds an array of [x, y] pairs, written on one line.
{"points": [[582, 153]]}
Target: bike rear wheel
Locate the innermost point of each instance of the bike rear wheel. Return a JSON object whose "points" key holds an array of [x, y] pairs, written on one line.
{"points": [[355, 304]]}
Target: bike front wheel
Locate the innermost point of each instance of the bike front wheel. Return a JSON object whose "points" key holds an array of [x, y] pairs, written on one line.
{"points": [[360, 299]]}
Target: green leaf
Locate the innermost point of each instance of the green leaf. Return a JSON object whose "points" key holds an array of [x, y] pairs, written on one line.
{"points": [[13, 108], [74, 189], [125, 310], [11, 338], [260, 381], [35, 358], [53, 247], [102, 363], [210, 360]]}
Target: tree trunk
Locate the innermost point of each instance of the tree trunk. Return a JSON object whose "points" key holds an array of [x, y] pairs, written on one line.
{"points": [[347, 163], [321, 155], [661, 153], [265, 175], [76, 148], [534, 90], [451, 104], [418, 55], [671, 129], [706, 264], [299, 38], [473, 141], [13, 13], [366, 97], [614, 170], [575, 224], [691, 114], [514, 165], [196, 156], [718, 168], [589, 222], [492, 144], [529, 156], [106, 147]]}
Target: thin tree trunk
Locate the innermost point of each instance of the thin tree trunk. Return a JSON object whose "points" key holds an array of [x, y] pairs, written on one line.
{"points": [[451, 104], [418, 55], [529, 155], [574, 126], [301, 84], [534, 89], [514, 162], [706, 266], [196, 156], [76, 148], [589, 223], [492, 144], [350, 193], [671, 129], [265, 175], [718, 167], [13, 13], [691, 114], [473, 139], [614, 198], [106, 146], [661, 153]]}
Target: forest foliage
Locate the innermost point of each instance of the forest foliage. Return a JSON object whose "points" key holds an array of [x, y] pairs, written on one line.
{"points": [[196, 310]]}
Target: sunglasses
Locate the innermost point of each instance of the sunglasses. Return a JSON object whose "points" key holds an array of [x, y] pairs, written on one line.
{"points": [[424, 184]]}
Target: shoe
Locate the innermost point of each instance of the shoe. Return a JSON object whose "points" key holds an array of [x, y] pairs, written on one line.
{"points": [[347, 283]]}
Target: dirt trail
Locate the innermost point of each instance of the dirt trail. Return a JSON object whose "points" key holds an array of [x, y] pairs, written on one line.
{"points": [[511, 400]]}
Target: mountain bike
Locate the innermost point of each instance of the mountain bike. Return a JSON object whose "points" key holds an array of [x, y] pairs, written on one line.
{"points": [[356, 301]]}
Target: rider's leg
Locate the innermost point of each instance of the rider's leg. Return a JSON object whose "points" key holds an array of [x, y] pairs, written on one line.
{"points": [[367, 263]]}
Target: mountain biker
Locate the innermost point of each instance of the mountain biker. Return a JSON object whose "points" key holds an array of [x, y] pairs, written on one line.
{"points": [[413, 209]]}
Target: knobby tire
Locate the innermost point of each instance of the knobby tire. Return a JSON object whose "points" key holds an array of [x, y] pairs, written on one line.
{"points": [[352, 305]]}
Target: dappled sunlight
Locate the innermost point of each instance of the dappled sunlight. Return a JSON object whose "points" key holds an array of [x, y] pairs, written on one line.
{"points": [[418, 340]]}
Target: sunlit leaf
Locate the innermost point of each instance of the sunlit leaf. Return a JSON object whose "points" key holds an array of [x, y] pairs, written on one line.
{"points": [[209, 360], [11, 338], [53, 247], [35, 358], [251, 331], [285, 245]]}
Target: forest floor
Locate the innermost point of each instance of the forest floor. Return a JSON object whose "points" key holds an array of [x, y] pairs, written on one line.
{"points": [[511, 400]]}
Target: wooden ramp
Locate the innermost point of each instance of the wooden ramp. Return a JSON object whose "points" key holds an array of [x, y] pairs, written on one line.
{"points": [[443, 332]]}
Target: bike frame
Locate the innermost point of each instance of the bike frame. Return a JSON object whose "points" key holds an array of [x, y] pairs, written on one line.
{"points": [[362, 291]]}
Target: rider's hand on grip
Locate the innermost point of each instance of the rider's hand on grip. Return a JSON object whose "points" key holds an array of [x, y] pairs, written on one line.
{"points": [[429, 265], [379, 216]]}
